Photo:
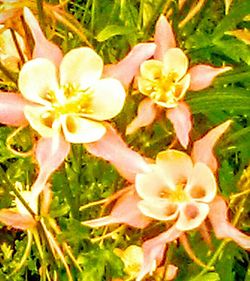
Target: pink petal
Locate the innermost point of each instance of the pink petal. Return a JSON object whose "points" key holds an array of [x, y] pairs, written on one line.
{"points": [[154, 250], [49, 159], [203, 148], [126, 69], [120, 213], [16, 220], [112, 148], [43, 47], [4, 16], [127, 212], [164, 37], [180, 117], [222, 227], [11, 109], [202, 75], [145, 116]]}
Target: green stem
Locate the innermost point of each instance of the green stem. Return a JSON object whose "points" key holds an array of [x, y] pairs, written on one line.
{"points": [[40, 10], [9, 186]]}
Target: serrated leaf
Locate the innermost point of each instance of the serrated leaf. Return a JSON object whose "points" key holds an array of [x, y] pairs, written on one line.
{"points": [[111, 31]]}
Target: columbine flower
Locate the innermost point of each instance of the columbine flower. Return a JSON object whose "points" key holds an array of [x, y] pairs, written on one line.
{"points": [[165, 81], [176, 188], [77, 102]]}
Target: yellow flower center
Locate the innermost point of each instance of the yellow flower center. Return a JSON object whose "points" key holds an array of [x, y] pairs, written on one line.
{"points": [[177, 195], [75, 101]]}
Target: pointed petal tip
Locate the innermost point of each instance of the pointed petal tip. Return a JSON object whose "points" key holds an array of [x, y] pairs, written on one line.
{"points": [[202, 75]]}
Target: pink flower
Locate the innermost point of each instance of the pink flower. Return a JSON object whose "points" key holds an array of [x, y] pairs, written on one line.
{"points": [[184, 187], [165, 80]]}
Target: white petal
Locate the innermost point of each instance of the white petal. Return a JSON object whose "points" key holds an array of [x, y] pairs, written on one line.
{"points": [[81, 130], [175, 62], [202, 184], [107, 99], [81, 67], [191, 215], [37, 79], [151, 69], [41, 120], [177, 165], [153, 185], [158, 210]]}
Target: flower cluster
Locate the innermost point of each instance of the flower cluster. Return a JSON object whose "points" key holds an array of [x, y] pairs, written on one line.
{"points": [[66, 99]]}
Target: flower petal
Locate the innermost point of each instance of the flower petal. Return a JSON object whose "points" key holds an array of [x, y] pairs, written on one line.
{"points": [[163, 211], [180, 117], [112, 148], [164, 37], [150, 69], [201, 186], [107, 99], [203, 148], [12, 109], [191, 215], [49, 158], [175, 62], [177, 165], [34, 114], [154, 250], [15, 219], [146, 114], [37, 79], [129, 201], [127, 68], [43, 47], [120, 213], [81, 130], [202, 75], [222, 227], [152, 184], [81, 67]]}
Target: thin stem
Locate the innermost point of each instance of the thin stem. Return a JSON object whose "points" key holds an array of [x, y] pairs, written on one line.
{"points": [[40, 10], [9, 141], [91, 204], [8, 185], [110, 234], [18, 48], [185, 243], [192, 13]]}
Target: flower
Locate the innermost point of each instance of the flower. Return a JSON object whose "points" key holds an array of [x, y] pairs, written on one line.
{"points": [[176, 188], [165, 81], [77, 103], [132, 258]]}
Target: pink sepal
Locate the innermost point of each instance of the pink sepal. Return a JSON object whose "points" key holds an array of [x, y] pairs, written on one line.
{"points": [[49, 158], [12, 109], [164, 37], [112, 148], [180, 117], [127, 68], [203, 148], [125, 211], [153, 250], [14, 219], [146, 114], [43, 47], [202, 75], [222, 227]]}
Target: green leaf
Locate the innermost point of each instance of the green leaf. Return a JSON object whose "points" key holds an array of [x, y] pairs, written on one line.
{"points": [[211, 276], [113, 30], [225, 99], [237, 13]]}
